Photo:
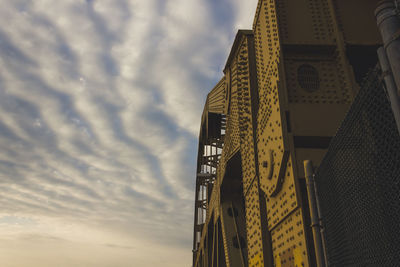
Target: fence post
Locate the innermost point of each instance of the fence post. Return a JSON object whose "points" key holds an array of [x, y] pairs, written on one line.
{"points": [[390, 86], [388, 20], [315, 218]]}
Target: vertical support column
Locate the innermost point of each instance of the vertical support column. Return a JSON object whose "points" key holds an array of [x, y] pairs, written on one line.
{"points": [[315, 221], [388, 21], [390, 85]]}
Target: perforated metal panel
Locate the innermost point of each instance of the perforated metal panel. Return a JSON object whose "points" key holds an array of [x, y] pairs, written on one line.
{"points": [[287, 252], [314, 28], [254, 229], [285, 201], [245, 116], [315, 82], [269, 130], [238, 139], [277, 178]]}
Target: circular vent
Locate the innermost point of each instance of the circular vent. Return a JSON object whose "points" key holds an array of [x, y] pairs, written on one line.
{"points": [[308, 78]]}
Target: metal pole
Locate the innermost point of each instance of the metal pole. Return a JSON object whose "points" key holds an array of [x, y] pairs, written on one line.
{"points": [[388, 21], [322, 230], [315, 224], [390, 85]]}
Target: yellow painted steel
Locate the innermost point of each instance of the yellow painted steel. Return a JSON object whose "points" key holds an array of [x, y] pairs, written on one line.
{"points": [[216, 98], [287, 85]]}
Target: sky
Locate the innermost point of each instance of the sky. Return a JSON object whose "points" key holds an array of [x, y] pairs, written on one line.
{"points": [[100, 106]]}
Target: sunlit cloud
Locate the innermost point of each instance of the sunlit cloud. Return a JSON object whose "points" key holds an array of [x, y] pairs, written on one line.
{"points": [[100, 105]]}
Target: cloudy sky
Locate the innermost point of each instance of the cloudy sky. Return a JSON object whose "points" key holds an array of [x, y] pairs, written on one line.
{"points": [[100, 102]]}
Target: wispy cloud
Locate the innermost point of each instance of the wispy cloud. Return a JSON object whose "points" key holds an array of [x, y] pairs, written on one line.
{"points": [[100, 104]]}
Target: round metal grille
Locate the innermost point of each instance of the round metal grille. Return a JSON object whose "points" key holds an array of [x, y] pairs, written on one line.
{"points": [[308, 78]]}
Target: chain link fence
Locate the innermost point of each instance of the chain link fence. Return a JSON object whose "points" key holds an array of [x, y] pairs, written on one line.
{"points": [[358, 183]]}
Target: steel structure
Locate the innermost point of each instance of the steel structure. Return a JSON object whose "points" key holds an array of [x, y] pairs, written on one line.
{"points": [[286, 87]]}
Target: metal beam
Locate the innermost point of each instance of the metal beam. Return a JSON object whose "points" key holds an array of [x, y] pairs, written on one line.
{"points": [[390, 85], [388, 21]]}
